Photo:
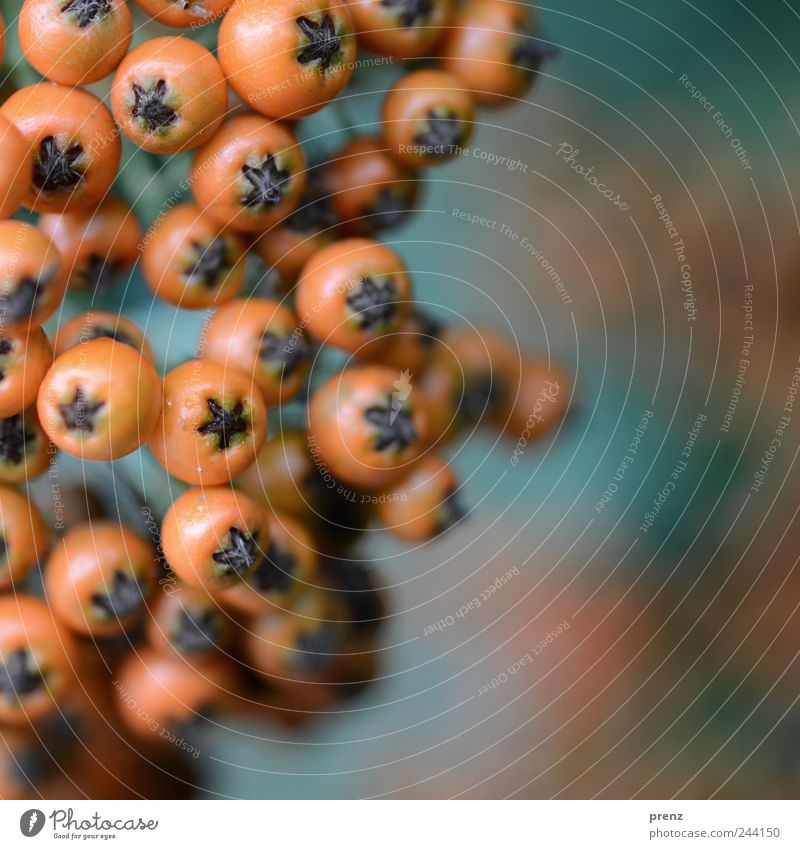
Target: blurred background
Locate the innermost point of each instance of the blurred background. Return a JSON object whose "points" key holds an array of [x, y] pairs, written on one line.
{"points": [[641, 636]]}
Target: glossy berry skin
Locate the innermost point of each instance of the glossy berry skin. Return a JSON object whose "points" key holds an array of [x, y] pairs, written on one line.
{"points": [[97, 324], [424, 504], [369, 190], [190, 261], [32, 277], [25, 358], [488, 49], [250, 175], [161, 698], [213, 423], [289, 566], [169, 95], [287, 58], [403, 29], [261, 337], [367, 426], [99, 578], [24, 535], [352, 292], [100, 400], [189, 621], [427, 118], [97, 245], [25, 450], [214, 537], [77, 42], [73, 142], [35, 665], [16, 168], [541, 402], [489, 369], [179, 13]]}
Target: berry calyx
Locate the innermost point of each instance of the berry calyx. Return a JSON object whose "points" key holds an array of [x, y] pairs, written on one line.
{"points": [[323, 42], [224, 424], [150, 108], [239, 556]]}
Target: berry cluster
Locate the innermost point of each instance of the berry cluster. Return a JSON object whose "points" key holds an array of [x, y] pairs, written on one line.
{"points": [[248, 598]]}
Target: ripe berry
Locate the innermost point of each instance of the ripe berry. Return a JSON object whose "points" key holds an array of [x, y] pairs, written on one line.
{"points": [[169, 95], [541, 400], [262, 338], [367, 426], [190, 261], [250, 175], [74, 144], [97, 245], [189, 621], [353, 291], [74, 42], [25, 450], [99, 578], [215, 537], [16, 168], [97, 324], [287, 58], [368, 189], [100, 400], [427, 118], [185, 13], [24, 360], [24, 538], [32, 278], [213, 423], [403, 29]]}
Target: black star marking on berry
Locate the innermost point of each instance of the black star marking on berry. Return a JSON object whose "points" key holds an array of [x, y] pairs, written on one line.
{"points": [[3, 549], [121, 599], [18, 676], [224, 424], [197, 631], [102, 331], [410, 12], [429, 329], [314, 650], [530, 54], [274, 572], [374, 305], [444, 133], [86, 12], [210, 264], [239, 556], [450, 513], [286, 351], [14, 436], [482, 397], [313, 215], [149, 106], [29, 766], [80, 412], [54, 167], [395, 426], [5, 349], [23, 300], [267, 182], [98, 275], [390, 209], [323, 42]]}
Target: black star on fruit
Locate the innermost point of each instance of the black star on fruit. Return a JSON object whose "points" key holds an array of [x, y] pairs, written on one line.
{"points": [[102, 331], [482, 397], [429, 329], [239, 555], [121, 599], [196, 631], [274, 572], [266, 183], [450, 513], [313, 215], [5, 349], [54, 167], [410, 12], [529, 54], [149, 106], [80, 412], [395, 426], [444, 133], [390, 209], [98, 275], [286, 351], [224, 424], [18, 675], [3, 549], [14, 436], [209, 263], [373, 304], [86, 12], [314, 650], [323, 42], [22, 301]]}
